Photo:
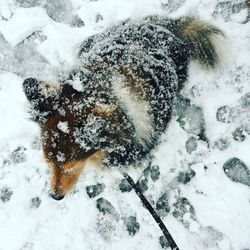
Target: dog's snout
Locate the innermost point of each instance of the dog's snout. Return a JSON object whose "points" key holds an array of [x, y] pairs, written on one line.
{"points": [[57, 197]]}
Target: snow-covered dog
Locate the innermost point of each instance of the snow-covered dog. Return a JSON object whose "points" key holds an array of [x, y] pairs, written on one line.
{"points": [[116, 103]]}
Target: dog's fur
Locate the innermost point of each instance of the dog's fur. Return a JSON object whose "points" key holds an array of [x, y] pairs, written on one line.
{"points": [[128, 78]]}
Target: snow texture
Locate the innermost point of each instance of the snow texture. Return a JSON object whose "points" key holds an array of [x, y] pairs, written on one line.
{"points": [[199, 178]]}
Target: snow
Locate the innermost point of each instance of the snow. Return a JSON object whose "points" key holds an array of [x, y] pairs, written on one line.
{"points": [[220, 220], [63, 126], [61, 42], [23, 23]]}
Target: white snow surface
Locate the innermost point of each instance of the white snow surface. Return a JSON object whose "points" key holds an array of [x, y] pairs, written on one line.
{"points": [[23, 23], [221, 218]]}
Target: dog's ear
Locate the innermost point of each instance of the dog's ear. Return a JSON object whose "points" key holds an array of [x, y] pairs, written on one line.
{"points": [[42, 97]]}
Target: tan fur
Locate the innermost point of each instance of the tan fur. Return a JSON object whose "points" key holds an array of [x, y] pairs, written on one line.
{"points": [[200, 38], [104, 110], [96, 159], [64, 178]]}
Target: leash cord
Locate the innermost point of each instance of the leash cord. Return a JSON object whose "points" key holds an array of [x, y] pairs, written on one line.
{"points": [[156, 217]]}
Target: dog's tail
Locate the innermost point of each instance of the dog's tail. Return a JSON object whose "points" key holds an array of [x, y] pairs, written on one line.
{"points": [[201, 38]]}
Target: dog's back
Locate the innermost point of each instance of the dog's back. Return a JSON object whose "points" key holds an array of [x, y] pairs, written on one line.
{"points": [[142, 65]]}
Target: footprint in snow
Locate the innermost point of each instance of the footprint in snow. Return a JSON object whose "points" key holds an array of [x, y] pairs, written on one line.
{"points": [[237, 171]]}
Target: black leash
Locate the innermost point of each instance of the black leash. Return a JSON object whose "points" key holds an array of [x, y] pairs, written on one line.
{"points": [[156, 217]]}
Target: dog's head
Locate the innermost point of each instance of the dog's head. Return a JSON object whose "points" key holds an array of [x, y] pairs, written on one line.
{"points": [[71, 127]]}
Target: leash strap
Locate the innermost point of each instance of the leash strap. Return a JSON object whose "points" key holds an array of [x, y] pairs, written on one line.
{"points": [[156, 217]]}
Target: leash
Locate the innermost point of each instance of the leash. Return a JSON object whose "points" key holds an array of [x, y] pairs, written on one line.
{"points": [[156, 217]]}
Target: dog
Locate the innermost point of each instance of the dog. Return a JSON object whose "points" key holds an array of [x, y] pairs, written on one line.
{"points": [[117, 101]]}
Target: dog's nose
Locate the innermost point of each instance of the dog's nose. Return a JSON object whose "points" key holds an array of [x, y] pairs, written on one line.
{"points": [[57, 197]]}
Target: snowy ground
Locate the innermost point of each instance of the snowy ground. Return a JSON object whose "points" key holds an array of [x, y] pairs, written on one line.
{"points": [[201, 188]]}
